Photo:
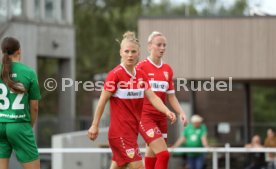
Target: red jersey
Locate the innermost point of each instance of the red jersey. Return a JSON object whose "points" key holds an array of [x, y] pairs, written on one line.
{"points": [[161, 82], [126, 103]]}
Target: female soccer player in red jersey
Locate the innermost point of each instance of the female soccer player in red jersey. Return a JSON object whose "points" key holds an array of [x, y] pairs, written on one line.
{"points": [[153, 125], [125, 87]]}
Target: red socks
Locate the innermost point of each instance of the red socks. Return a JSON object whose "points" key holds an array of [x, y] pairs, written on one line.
{"points": [[162, 160], [150, 162]]}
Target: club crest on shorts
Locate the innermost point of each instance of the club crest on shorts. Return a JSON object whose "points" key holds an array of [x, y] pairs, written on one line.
{"points": [[166, 74], [130, 152], [157, 131], [150, 133]]}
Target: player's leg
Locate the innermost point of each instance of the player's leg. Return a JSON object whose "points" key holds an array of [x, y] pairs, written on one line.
{"points": [[21, 138], [159, 147], [147, 130], [115, 166], [199, 161], [151, 133], [191, 162], [150, 158], [4, 163], [136, 165], [125, 151], [32, 165], [5, 147]]}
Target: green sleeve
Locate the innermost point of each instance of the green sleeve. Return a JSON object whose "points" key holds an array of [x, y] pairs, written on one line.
{"points": [[34, 92]]}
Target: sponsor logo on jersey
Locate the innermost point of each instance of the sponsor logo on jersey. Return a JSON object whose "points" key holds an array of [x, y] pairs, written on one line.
{"points": [[150, 133], [130, 152], [129, 93], [166, 74], [151, 74], [138, 94], [159, 86]]}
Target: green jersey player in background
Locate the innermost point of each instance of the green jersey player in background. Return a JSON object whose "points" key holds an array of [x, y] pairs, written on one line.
{"points": [[19, 95]]}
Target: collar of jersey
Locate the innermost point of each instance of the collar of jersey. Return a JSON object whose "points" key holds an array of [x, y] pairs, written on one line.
{"points": [[128, 71], [158, 66]]}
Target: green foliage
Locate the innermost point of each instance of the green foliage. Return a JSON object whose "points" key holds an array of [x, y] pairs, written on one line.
{"points": [[216, 8], [264, 107], [166, 8], [97, 25], [238, 9]]}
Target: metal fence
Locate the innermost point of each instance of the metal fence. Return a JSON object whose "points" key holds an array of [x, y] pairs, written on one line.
{"points": [[227, 150]]}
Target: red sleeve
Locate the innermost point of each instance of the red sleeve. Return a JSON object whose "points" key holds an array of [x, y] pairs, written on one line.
{"points": [[170, 81], [110, 83]]}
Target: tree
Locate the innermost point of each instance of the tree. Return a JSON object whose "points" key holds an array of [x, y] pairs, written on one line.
{"points": [[98, 23]]}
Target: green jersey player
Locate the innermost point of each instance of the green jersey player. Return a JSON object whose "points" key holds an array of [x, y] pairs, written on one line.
{"points": [[19, 95]]}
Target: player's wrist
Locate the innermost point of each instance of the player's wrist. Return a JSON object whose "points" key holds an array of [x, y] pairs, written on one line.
{"points": [[182, 114], [95, 124], [167, 112]]}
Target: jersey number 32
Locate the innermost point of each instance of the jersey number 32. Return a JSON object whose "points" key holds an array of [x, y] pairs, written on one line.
{"points": [[5, 102]]}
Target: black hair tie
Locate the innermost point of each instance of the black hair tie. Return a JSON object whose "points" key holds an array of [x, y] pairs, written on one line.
{"points": [[9, 52]]}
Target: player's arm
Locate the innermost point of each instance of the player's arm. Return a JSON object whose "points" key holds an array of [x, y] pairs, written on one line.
{"points": [[179, 141], [33, 111], [94, 129], [159, 105], [204, 136], [176, 106], [204, 141]]}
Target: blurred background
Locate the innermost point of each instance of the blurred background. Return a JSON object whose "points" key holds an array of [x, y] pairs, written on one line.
{"points": [[206, 38]]}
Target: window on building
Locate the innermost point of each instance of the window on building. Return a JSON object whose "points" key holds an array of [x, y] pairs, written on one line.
{"points": [[49, 9], [3, 10], [10, 8], [16, 7], [63, 10], [37, 9]]}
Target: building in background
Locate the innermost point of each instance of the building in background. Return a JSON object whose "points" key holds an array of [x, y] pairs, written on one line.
{"points": [[220, 47], [45, 30]]}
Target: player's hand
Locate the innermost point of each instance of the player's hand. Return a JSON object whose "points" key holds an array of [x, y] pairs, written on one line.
{"points": [[171, 116], [93, 132], [183, 118]]}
